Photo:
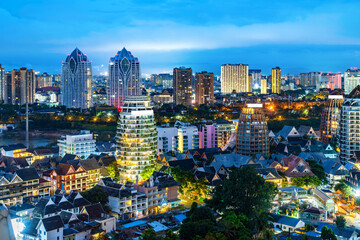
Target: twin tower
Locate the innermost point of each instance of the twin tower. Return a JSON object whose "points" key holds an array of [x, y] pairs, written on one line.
{"points": [[76, 79]]}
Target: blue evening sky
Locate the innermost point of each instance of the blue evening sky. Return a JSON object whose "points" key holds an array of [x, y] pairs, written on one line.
{"points": [[296, 35]]}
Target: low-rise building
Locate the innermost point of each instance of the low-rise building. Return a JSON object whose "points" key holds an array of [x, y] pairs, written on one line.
{"points": [[124, 200], [82, 145]]}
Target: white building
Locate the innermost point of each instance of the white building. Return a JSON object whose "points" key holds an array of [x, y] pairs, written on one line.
{"points": [[350, 125], [136, 137], [351, 79], [167, 139], [82, 144], [179, 138], [76, 81]]}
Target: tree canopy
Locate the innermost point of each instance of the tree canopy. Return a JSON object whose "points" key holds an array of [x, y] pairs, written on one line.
{"points": [[327, 234], [307, 181], [239, 194], [343, 188], [97, 195]]}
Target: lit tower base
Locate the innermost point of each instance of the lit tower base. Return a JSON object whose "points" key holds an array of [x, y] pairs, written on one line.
{"points": [[330, 118], [136, 139], [252, 135]]}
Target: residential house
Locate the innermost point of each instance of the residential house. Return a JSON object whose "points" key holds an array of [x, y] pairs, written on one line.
{"points": [[285, 223], [293, 166], [322, 200], [224, 162], [50, 228], [124, 200], [288, 131], [307, 131], [335, 171], [162, 192], [93, 171], [69, 177]]}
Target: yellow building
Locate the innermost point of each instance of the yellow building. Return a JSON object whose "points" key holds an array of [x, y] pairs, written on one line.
{"points": [[276, 80], [263, 86], [235, 78]]}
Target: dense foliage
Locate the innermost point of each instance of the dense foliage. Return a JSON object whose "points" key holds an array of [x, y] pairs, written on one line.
{"points": [[307, 181], [343, 188], [97, 195], [318, 170], [238, 193]]}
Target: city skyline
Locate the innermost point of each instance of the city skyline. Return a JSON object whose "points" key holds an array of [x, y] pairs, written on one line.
{"points": [[264, 35]]}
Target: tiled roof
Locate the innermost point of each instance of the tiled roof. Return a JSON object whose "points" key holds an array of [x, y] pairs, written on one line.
{"points": [[27, 174], [52, 223], [90, 164]]}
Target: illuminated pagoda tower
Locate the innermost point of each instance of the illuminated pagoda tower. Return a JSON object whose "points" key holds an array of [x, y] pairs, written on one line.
{"points": [[76, 81], [350, 125], [136, 139], [124, 77], [252, 133], [330, 118]]}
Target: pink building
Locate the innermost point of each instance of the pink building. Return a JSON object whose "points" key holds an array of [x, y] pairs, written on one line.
{"points": [[207, 136], [329, 80]]}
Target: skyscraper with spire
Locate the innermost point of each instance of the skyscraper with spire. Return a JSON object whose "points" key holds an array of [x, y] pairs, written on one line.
{"points": [[76, 81], [124, 77]]}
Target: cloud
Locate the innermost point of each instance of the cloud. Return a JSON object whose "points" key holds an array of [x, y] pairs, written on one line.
{"points": [[170, 36]]}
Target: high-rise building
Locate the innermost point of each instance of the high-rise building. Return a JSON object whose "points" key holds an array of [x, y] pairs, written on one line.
{"points": [[204, 88], [329, 80], [82, 145], [309, 79], [76, 81], [19, 85], [136, 139], [223, 131], [350, 125], [2, 83], [124, 77], [351, 79], [330, 118], [256, 78], [44, 80], [183, 86], [207, 136], [235, 78], [162, 79], [263, 86], [252, 132], [276, 80]]}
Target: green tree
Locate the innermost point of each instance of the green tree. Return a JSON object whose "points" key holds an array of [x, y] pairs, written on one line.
{"points": [[308, 181], [327, 234], [238, 194], [343, 188], [233, 226], [318, 170], [97, 195], [170, 235], [340, 221], [113, 170], [148, 234], [147, 172]]}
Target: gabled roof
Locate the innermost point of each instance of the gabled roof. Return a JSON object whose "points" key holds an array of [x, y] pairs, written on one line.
{"points": [[334, 167], [30, 228], [343, 232], [12, 147], [285, 220], [320, 194], [268, 173], [106, 161], [306, 130], [52, 223], [45, 206], [229, 160], [68, 157], [94, 211], [27, 174], [90, 164], [184, 164], [288, 131]]}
